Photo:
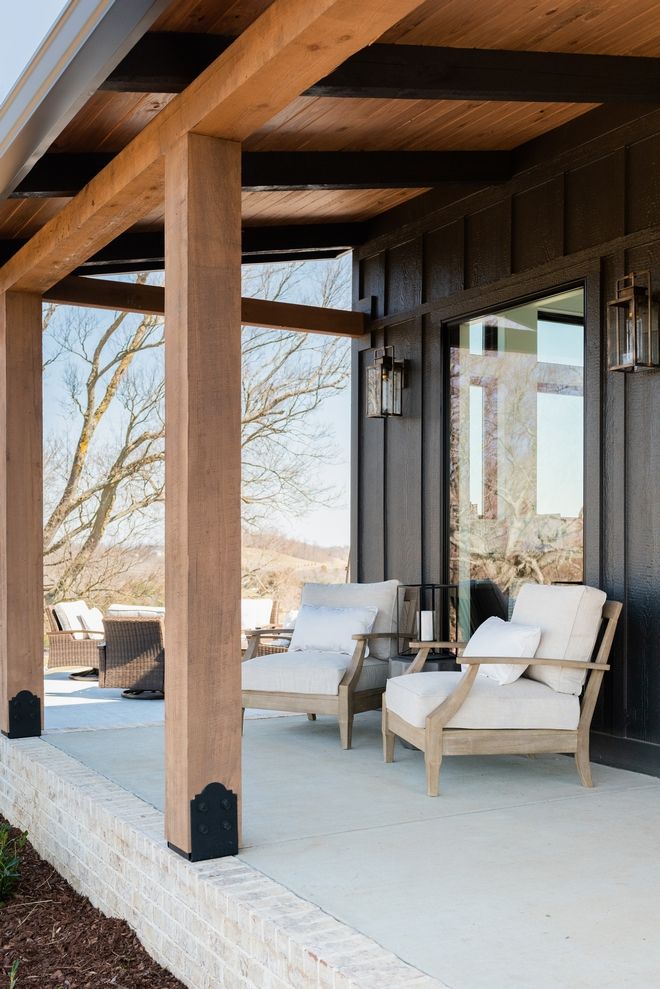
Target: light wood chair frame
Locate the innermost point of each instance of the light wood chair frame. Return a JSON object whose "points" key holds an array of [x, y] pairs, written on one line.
{"points": [[347, 702], [436, 740]]}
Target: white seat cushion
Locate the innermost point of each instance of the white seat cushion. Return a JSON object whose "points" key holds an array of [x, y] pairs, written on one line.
{"points": [[68, 615], [495, 637], [322, 629], [308, 673], [570, 617], [380, 595], [523, 704]]}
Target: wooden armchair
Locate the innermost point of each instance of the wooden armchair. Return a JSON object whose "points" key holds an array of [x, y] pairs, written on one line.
{"points": [[317, 680], [471, 715]]}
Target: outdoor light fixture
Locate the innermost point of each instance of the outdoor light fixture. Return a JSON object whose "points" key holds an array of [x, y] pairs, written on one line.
{"points": [[385, 384], [632, 319]]}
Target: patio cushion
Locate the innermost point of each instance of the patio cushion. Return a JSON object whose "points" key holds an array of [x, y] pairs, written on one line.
{"points": [[570, 617], [495, 637], [92, 620], [68, 615], [136, 611], [308, 673], [330, 629], [523, 704], [256, 612], [381, 595]]}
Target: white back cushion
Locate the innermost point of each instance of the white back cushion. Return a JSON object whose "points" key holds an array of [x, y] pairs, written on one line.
{"points": [[255, 612], [330, 629], [92, 621], [495, 637], [68, 615], [570, 617], [380, 595]]}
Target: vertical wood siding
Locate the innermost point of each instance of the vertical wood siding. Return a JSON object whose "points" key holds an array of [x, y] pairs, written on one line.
{"points": [[588, 222]]}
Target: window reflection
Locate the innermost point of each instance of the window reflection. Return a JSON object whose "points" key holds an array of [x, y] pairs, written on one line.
{"points": [[516, 444]]}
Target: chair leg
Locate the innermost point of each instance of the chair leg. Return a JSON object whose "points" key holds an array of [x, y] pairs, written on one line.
{"points": [[582, 762], [345, 718], [311, 717], [389, 738], [433, 763]]}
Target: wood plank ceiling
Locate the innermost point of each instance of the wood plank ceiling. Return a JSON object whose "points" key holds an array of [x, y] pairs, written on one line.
{"points": [[111, 119]]}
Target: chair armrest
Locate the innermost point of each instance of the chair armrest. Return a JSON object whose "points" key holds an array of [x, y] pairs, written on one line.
{"points": [[254, 633], [576, 664], [450, 706], [439, 645], [365, 636], [76, 631]]}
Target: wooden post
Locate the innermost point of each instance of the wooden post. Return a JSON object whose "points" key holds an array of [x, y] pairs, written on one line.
{"points": [[21, 516], [202, 495]]}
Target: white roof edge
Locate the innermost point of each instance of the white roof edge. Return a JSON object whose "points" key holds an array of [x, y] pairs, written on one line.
{"points": [[86, 42]]}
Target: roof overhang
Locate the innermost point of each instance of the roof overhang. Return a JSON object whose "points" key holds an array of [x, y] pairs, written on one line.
{"points": [[89, 38]]}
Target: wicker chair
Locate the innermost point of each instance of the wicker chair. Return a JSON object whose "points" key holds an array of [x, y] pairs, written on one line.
{"points": [[66, 648], [133, 657]]}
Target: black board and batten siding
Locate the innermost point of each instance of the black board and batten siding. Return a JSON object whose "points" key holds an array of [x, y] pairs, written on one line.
{"points": [[583, 208]]}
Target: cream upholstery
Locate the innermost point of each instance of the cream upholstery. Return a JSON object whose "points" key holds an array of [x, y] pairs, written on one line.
{"points": [[68, 615], [380, 595], [136, 611], [523, 704], [92, 622], [309, 672], [569, 617], [324, 629], [256, 612], [495, 637]]}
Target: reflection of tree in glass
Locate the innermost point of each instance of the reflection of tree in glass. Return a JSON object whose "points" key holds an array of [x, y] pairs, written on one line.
{"points": [[502, 537]]}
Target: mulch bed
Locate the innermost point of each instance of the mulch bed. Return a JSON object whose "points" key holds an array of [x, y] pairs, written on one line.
{"points": [[63, 942]]}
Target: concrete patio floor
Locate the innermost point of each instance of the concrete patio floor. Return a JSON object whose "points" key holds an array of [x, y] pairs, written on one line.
{"points": [[514, 878]]}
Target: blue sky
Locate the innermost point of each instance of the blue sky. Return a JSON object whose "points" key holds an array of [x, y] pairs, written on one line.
{"points": [[24, 25]]}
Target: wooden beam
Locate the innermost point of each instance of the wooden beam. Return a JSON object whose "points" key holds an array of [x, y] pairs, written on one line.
{"points": [[145, 250], [64, 175], [203, 492], [417, 72], [267, 67], [21, 516], [165, 62], [97, 293]]}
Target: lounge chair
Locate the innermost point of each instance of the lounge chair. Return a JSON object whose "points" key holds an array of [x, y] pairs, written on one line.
{"points": [[75, 632], [490, 709], [337, 659]]}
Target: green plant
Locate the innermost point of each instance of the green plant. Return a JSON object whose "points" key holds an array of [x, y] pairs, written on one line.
{"points": [[13, 974], [10, 859]]}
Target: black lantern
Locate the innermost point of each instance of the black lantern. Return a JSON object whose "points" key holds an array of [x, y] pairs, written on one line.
{"points": [[385, 384], [632, 319]]}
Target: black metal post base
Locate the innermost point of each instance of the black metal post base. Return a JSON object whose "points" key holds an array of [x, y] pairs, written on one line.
{"points": [[213, 824], [24, 716]]}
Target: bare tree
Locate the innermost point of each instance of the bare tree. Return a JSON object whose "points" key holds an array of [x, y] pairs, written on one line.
{"points": [[104, 478]]}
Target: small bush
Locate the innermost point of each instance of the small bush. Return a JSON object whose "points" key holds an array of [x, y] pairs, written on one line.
{"points": [[13, 974], [10, 860]]}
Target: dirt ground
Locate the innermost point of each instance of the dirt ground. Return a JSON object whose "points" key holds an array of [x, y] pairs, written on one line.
{"points": [[63, 942]]}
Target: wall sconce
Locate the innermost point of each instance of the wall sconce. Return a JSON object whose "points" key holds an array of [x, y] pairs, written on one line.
{"points": [[385, 384], [632, 322]]}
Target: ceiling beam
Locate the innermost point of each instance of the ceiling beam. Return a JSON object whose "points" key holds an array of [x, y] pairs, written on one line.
{"points": [[267, 67], [99, 293], [64, 175], [419, 72], [165, 62], [145, 251]]}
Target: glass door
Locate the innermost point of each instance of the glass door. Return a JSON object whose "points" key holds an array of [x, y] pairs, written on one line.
{"points": [[516, 484]]}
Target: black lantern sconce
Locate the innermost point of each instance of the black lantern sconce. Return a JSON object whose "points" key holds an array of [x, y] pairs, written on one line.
{"points": [[386, 379], [632, 325]]}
